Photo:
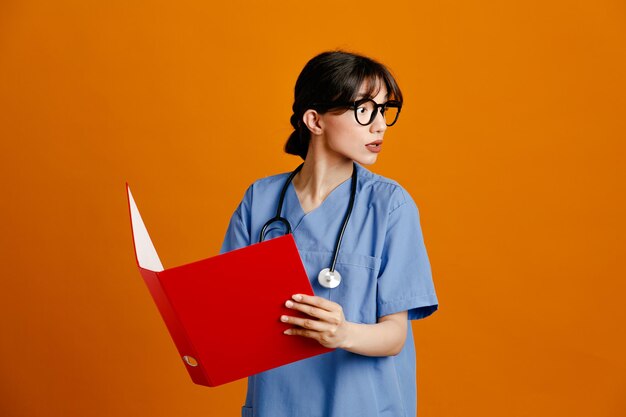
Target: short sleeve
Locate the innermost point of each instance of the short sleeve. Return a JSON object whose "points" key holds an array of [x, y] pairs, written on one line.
{"points": [[238, 232], [405, 280]]}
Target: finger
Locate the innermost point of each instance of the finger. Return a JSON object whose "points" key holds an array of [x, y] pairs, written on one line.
{"points": [[303, 332], [309, 324], [316, 301], [312, 311]]}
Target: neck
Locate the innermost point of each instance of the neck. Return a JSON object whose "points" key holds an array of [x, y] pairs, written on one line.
{"points": [[318, 178]]}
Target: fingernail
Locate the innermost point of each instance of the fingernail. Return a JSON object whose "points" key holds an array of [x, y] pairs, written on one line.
{"points": [[288, 331], [297, 297], [283, 318], [289, 303]]}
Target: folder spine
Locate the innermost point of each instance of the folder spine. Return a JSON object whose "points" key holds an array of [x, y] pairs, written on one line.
{"points": [[175, 327]]}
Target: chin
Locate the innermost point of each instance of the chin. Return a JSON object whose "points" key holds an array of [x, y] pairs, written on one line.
{"points": [[370, 160]]}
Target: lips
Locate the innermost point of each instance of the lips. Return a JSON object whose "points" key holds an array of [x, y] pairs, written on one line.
{"points": [[375, 146]]}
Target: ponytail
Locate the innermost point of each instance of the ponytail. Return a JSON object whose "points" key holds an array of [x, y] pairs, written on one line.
{"points": [[298, 142]]}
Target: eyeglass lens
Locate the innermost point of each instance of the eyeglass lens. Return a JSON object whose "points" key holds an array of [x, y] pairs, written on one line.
{"points": [[367, 111]]}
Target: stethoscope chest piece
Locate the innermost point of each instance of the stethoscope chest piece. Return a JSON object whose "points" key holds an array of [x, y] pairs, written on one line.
{"points": [[328, 279]]}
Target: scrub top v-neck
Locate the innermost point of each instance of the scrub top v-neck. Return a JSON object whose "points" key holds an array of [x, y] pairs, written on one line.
{"points": [[385, 270], [335, 198]]}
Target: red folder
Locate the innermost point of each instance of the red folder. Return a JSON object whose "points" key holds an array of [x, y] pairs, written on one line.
{"points": [[223, 313]]}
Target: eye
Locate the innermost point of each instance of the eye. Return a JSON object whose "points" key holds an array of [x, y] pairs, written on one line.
{"points": [[366, 107]]}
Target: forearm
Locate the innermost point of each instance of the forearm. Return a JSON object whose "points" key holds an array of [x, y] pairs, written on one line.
{"points": [[327, 325], [385, 338]]}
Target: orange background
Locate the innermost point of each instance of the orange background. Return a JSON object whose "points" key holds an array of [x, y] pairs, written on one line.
{"points": [[511, 142]]}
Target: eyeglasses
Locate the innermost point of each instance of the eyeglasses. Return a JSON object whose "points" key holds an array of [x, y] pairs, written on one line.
{"points": [[366, 110]]}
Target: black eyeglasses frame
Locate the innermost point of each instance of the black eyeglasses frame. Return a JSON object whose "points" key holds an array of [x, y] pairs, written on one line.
{"points": [[354, 105]]}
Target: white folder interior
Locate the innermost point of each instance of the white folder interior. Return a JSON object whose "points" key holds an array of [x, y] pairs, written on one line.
{"points": [[144, 249]]}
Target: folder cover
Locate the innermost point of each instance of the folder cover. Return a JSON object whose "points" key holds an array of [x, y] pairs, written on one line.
{"points": [[223, 313]]}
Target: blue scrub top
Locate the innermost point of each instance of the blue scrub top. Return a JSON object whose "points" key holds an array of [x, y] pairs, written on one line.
{"points": [[384, 269]]}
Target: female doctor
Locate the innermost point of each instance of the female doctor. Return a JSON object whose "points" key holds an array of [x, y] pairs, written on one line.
{"points": [[360, 240]]}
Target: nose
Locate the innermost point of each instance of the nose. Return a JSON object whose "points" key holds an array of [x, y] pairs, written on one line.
{"points": [[379, 124]]}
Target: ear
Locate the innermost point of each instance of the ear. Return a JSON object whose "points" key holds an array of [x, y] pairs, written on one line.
{"points": [[311, 120]]}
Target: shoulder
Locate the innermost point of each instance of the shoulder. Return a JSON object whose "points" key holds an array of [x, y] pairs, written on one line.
{"points": [[265, 185], [382, 190], [276, 180]]}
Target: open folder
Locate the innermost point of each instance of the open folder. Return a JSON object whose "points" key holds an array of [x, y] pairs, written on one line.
{"points": [[223, 313]]}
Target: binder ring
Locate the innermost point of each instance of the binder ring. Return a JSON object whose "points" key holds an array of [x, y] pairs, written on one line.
{"points": [[190, 360]]}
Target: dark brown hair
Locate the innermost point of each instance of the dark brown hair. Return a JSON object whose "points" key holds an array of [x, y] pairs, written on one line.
{"points": [[334, 76]]}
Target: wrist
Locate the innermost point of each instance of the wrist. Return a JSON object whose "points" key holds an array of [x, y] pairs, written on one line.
{"points": [[349, 335]]}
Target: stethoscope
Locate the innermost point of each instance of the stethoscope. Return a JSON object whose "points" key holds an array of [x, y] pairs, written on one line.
{"points": [[328, 277]]}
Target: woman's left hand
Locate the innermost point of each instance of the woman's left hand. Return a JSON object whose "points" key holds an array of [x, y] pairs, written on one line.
{"points": [[326, 324]]}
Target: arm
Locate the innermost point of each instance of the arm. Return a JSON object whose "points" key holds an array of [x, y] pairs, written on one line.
{"points": [[329, 327]]}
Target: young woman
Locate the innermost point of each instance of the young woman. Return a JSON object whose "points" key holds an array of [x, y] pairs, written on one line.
{"points": [[360, 240]]}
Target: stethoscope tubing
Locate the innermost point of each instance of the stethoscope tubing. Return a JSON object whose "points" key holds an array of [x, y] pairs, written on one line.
{"points": [[279, 218], [345, 220]]}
